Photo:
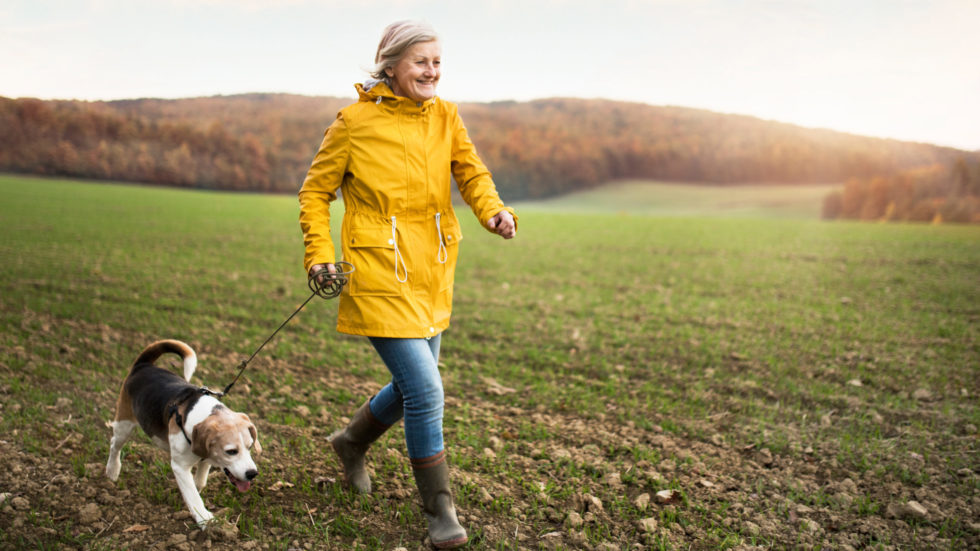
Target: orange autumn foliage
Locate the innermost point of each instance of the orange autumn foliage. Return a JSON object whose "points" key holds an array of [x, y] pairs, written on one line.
{"points": [[536, 149]]}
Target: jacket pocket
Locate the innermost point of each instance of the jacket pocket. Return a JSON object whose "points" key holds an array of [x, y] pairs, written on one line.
{"points": [[449, 238], [372, 252]]}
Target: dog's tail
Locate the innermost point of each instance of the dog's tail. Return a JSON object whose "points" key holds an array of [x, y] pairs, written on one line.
{"points": [[159, 348]]}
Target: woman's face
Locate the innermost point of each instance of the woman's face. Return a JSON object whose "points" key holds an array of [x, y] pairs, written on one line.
{"points": [[416, 74]]}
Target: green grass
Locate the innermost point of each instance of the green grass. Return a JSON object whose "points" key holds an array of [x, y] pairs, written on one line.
{"points": [[644, 197], [663, 349]]}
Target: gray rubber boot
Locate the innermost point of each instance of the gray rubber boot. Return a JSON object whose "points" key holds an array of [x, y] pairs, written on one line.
{"points": [[432, 478], [351, 444]]}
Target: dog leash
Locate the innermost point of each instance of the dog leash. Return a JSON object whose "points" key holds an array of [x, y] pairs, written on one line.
{"points": [[326, 287], [323, 284]]}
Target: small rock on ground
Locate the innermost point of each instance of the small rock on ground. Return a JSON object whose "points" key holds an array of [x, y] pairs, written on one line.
{"points": [[89, 513], [648, 525]]}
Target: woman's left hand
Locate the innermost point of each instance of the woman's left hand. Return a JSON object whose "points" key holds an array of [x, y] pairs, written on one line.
{"points": [[503, 225]]}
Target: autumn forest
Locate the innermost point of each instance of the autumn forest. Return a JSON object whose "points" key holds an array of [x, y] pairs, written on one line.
{"points": [[536, 149]]}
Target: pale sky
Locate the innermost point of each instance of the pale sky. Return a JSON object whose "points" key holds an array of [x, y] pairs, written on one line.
{"points": [[905, 69]]}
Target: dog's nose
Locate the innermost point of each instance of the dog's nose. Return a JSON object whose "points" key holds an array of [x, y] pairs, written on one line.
{"points": [[251, 474]]}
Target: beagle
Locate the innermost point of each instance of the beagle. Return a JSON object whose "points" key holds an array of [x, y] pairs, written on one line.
{"points": [[187, 421]]}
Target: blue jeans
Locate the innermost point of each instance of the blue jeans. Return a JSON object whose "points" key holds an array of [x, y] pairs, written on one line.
{"points": [[415, 392]]}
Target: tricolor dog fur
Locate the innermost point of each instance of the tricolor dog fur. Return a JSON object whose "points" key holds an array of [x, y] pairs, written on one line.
{"points": [[187, 422]]}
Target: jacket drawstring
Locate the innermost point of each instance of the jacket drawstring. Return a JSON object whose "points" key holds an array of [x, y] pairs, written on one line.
{"points": [[443, 255], [398, 254]]}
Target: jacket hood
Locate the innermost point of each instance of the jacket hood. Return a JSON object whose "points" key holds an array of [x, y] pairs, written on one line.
{"points": [[374, 90]]}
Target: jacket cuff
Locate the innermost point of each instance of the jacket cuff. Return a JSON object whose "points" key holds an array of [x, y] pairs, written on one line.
{"points": [[314, 261]]}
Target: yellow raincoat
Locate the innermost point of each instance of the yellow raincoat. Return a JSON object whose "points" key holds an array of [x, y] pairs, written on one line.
{"points": [[393, 160]]}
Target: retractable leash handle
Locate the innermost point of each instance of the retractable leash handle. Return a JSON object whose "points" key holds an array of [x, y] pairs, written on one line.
{"points": [[323, 284]]}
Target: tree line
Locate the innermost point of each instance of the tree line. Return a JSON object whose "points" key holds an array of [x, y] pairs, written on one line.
{"points": [[536, 149], [544, 147], [934, 193], [209, 143]]}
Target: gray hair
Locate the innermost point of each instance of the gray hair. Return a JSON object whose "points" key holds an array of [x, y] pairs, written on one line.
{"points": [[396, 40]]}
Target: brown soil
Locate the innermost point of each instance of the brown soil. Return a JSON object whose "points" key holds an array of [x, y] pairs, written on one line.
{"points": [[737, 496]]}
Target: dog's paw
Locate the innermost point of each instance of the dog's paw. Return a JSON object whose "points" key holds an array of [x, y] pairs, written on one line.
{"points": [[207, 520], [220, 529], [112, 470], [223, 531]]}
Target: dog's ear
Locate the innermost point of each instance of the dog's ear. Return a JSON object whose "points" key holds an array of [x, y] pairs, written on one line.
{"points": [[255, 438], [253, 433], [202, 438]]}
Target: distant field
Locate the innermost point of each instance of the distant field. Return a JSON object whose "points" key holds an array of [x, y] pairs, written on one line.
{"points": [[673, 199], [791, 384]]}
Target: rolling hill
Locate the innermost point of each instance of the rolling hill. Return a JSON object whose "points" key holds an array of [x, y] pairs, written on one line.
{"points": [[536, 149]]}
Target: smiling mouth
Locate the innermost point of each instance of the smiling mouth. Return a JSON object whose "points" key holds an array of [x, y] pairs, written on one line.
{"points": [[242, 485]]}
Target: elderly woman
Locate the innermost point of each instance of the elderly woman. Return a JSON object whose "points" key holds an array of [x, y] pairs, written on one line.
{"points": [[392, 155]]}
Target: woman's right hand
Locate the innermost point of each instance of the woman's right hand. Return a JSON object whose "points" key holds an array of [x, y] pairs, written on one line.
{"points": [[321, 278]]}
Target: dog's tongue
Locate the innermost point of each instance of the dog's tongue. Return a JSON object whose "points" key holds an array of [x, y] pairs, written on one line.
{"points": [[242, 485]]}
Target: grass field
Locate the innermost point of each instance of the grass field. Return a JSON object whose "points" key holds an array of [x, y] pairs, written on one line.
{"points": [[795, 384], [801, 202]]}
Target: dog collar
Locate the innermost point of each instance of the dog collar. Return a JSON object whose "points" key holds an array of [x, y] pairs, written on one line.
{"points": [[174, 412]]}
